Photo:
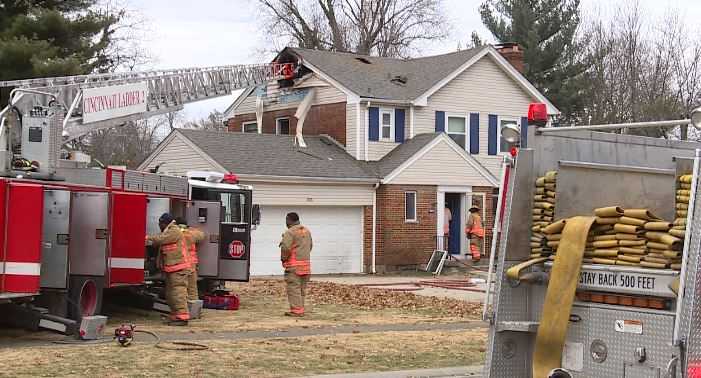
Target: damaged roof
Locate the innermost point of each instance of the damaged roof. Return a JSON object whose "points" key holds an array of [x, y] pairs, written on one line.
{"points": [[384, 78]]}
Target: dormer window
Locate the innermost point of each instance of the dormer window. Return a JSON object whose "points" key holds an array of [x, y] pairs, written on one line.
{"points": [[387, 125]]}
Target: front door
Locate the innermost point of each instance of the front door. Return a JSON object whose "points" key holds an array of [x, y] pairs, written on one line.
{"points": [[452, 201]]}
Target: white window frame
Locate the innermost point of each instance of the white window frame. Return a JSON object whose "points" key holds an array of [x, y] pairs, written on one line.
{"points": [[277, 125], [244, 124], [389, 111], [416, 200], [467, 126], [499, 120]]}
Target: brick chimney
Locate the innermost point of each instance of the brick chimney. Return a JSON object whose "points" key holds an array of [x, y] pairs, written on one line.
{"points": [[513, 53]]}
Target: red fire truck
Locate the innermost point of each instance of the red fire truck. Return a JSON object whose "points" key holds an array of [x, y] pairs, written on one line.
{"points": [[68, 232]]}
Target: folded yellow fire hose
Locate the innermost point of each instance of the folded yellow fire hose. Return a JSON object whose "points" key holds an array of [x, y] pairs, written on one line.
{"points": [[559, 297]]}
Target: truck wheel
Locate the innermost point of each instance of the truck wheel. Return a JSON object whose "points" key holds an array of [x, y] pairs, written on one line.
{"points": [[85, 296]]}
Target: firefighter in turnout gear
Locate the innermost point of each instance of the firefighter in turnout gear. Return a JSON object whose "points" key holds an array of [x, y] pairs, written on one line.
{"points": [[295, 250], [475, 233], [174, 261], [192, 237]]}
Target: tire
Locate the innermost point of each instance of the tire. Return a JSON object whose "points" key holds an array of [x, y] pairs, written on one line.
{"points": [[85, 295]]}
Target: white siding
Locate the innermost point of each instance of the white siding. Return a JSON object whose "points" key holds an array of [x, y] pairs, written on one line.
{"points": [[283, 194], [179, 157], [351, 127], [377, 150], [442, 165], [483, 88], [325, 94]]}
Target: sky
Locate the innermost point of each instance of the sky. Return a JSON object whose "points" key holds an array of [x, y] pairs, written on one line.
{"points": [[185, 33]]}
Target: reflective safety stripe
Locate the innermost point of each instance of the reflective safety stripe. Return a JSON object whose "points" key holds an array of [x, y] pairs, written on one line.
{"points": [[20, 268], [126, 263]]}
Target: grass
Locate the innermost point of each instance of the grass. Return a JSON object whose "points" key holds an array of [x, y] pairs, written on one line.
{"points": [[280, 357]]}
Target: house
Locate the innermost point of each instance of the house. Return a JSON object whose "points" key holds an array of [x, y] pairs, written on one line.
{"points": [[389, 144]]}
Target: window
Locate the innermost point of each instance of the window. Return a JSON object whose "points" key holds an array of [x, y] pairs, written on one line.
{"points": [[386, 125], [503, 145], [249, 127], [410, 206], [457, 130], [282, 126]]}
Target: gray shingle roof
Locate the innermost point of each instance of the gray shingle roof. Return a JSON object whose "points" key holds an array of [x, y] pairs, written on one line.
{"points": [[370, 76], [276, 155]]}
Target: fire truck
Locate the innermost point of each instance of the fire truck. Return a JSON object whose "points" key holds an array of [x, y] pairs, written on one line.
{"points": [[68, 232], [624, 321]]}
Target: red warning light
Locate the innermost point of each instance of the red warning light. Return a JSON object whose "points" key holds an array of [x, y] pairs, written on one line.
{"points": [[514, 151]]}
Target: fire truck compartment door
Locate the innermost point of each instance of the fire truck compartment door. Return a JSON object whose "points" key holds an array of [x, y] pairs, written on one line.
{"points": [[20, 256], [128, 229], [54, 251], [206, 216], [87, 248]]}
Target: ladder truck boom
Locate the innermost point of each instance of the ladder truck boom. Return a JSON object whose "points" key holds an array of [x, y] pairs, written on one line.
{"points": [[166, 90]]}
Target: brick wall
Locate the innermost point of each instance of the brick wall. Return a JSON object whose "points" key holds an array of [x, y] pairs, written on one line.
{"points": [[410, 244], [400, 243], [327, 119], [367, 239]]}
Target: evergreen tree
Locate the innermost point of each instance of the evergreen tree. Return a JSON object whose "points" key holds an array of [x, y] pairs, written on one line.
{"points": [[546, 30], [54, 37]]}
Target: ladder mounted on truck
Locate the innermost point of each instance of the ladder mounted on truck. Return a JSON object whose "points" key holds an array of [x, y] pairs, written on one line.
{"points": [[164, 91]]}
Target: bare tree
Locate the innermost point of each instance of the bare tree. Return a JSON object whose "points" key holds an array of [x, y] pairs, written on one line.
{"points": [[213, 122], [371, 27], [642, 70]]}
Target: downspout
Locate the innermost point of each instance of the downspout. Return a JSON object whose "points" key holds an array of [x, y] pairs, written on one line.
{"points": [[374, 225]]}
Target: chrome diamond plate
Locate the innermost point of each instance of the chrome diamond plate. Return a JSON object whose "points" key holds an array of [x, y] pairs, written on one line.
{"points": [[690, 314]]}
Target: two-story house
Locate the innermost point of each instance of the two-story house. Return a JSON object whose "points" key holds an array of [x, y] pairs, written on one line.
{"points": [[389, 144]]}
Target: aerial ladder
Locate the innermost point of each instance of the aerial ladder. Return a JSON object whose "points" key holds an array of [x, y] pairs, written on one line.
{"points": [[70, 232]]}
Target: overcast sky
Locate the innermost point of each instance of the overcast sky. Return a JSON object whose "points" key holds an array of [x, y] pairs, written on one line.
{"points": [[202, 33]]}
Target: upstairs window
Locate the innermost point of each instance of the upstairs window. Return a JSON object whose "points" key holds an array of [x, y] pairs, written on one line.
{"points": [[249, 127], [503, 145], [457, 130], [282, 126], [387, 125]]}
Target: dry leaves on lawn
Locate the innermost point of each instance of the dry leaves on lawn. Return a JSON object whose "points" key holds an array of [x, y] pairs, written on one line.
{"points": [[363, 297]]}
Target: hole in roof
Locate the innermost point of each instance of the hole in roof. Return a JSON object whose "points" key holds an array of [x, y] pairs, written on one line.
{"points": [[399, 79], [363, 60]]}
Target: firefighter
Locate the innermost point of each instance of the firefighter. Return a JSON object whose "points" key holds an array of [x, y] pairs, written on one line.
{"points": [[295, 250], [475, 233], [174, 261], [192, 237]]}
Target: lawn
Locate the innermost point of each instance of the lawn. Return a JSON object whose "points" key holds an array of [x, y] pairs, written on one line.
{"points": [[262, 306]]}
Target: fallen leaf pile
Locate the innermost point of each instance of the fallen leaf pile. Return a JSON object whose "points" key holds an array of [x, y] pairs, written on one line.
{"points": [[374, 298], [363, 297]]}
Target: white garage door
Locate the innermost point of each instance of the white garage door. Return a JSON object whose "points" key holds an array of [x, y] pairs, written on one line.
{"points": [[336, 232]]}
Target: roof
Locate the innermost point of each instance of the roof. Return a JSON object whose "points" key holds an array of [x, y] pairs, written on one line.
{"points": [[276, 155], [372, 77]]}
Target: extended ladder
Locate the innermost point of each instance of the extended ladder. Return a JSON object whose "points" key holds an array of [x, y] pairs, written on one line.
{"points": [[168, 90]]}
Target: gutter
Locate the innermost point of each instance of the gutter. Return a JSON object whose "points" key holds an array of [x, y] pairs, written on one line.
{"points": [[306, 180], [387, 101]]}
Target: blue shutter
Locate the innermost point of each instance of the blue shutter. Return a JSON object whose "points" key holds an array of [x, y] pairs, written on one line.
{"points": [[524, 132], [374, 123], [474, 133], [399, 125], [440, 122], [493, 135]]}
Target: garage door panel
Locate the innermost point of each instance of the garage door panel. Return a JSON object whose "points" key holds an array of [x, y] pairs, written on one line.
{"points": [[336, 231]]}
